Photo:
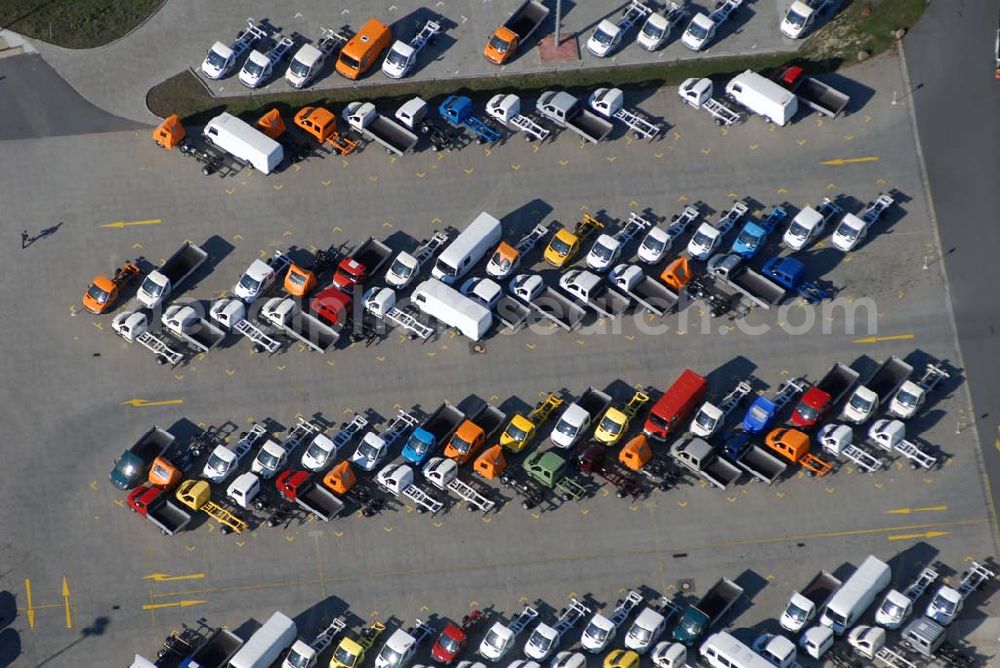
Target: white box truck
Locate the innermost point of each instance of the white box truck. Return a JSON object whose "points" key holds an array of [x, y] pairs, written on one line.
{"points": [[468, 248], [266, 645], [453, 308], [242, 140], [764, 97], [848, 605]]}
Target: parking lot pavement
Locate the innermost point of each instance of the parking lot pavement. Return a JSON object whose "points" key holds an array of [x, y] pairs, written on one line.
{"points": [[126, 586], [116, 77]]}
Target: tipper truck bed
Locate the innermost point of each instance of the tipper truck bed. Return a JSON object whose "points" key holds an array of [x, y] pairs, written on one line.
{"points": [[283, 312], [304, 489], [215, 653], [515, 31], [155, 505], [435, 431], [820, 97], [759, 289], [824, 395], [752, 458], [363, 117], [162, 282], [652, 295], [876, 391], [706, 612], [806, 604], [699, 457]]}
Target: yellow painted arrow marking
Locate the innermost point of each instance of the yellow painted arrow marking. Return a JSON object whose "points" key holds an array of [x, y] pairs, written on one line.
{"points": [[142, 403], [915, 536], [177, 604], [878, 339], [117, 225], [65, 595], [907, 511], [31, 607], [163, 577], [838, 162]]}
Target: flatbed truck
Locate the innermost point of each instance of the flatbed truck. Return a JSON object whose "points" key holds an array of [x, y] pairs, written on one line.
{"points": [[161, 283], [393, 137], [806, 604], [155, 505], [756, 287], [877, 390], [702, 459], [755, 460], [361, 265], [303, 488], [822, 397], [818, 96], [184, 322], [216, 652], [548, 302], [285, 314], [567, 111], [588, 289], [434, 432], [513, 33], [655, 297]]}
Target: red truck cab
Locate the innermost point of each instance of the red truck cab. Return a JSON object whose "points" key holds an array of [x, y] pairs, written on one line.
{"points": [[448, 645], [810, 408], [332, 305], [671, 412], [142, 497], [349, 273], [289, 481]]}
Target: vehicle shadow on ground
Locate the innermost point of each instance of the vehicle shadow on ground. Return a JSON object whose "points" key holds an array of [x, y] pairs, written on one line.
{"points": [[96, 628]]}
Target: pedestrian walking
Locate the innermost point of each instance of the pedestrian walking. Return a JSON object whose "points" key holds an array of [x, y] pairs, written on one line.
{"points": [[25, 239]]}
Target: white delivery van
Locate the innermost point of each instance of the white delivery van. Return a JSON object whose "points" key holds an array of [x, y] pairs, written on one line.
{"points": [[462, 254], [764, 97], [721, 650], [452, 308], [245, 142], [266, 645], [855, 596]]}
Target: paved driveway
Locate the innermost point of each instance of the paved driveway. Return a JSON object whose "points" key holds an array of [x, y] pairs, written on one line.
{"points": [[117, 77]]}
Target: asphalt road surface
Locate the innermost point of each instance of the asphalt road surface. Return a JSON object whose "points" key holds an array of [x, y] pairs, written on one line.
{"points": [[957, 101], [92, 583]]}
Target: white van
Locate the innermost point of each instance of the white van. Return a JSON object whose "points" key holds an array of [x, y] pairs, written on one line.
{"points": [[762, 96], [452, 308], [721, 650], [855, 596], [264, 646], [245, 142], [462, 254]]}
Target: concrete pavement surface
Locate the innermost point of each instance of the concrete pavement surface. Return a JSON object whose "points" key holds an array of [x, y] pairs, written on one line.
{"points": [[116, 77], [88, 582], [955, 102]]}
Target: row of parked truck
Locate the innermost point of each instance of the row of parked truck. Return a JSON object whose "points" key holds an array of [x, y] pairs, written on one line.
{"points": [[448, 456], [597, 282], [833, 607]]}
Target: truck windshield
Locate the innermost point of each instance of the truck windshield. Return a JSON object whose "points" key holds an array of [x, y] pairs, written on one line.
{"points": [[297, 279], [758, 414], [461, 445], [499, 45], [848, 232], [417, 445], [565, 428], [396, 58], [702, 240], [602, 37], [151, 287], [705, 421], [296, 660], [892, 610], [515, 433], [344, 656], [299, 69], [218, 464], [98, 295], [906, 399], [796, 19], [350, 61], [267, 460], [540, 642], [697, 32], [389, 656], [653, 245], [798, 231], [559, 246], [610, 426], [446, 269], [449, 645], [603, 252], [494, 640], [502, 263], [807, 413], [317, 451], [216, 60], [796, 613], [641, 634], [596, 633], [944, 606], [652, 32], [400, 269], [368, 451], [253, 69], [860, 404], [249, 283], [747, 239]]}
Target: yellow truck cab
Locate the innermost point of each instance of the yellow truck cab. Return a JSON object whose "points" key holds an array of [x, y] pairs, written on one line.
{"points": [[565, 245], [611, 427], [520, 432], [346, 654]]}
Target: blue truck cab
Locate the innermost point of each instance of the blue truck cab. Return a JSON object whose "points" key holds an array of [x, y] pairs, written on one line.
{"points": [[433, 433], [787, 272], [419, 446], [759, 416], [735, 444], [754, 235]]}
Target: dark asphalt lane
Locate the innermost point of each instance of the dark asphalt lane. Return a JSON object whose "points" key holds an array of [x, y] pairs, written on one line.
{"points": [[36, 102], [957, 102]]}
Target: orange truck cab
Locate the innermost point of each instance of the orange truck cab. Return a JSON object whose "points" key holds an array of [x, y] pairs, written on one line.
{"points": [[793, 445], [164, 474], [170, 132], [272, 124], [636, 453], [677, 274], [321, 124], [364, 49], [340, 479], [466, 442], [491, 463], [102, 294], [299, 281]]}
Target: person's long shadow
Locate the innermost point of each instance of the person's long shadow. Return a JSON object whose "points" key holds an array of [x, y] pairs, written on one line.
{"points": [[47, 232]]}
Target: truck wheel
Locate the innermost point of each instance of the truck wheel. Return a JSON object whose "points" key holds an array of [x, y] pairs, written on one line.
{"points": [[159, 143], [527, 505], [226, 530]]}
